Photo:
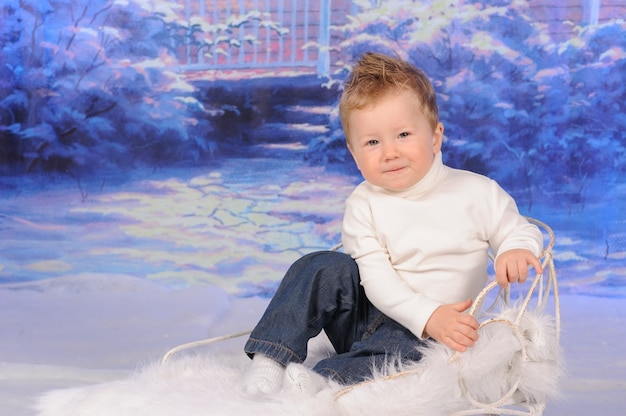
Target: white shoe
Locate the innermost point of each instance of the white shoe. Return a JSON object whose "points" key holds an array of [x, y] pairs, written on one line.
{"points": [[264, 375], [299, 379]]}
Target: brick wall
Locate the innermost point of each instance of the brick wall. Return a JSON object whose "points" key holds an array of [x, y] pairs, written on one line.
{"points": [[282, 52], [563, 15]]}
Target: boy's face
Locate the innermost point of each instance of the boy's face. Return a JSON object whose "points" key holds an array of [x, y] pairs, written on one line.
{"points": [[392, 142]]}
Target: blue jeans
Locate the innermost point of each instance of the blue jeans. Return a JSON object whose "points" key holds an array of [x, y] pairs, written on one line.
{"points": [[322, 291]]}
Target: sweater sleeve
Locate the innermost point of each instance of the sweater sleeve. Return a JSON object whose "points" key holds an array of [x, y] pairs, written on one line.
{"points": [[510, 230], [383, 286]]}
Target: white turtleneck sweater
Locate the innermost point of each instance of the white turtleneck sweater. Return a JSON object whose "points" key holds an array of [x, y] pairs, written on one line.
{"points": [[428, 245]]}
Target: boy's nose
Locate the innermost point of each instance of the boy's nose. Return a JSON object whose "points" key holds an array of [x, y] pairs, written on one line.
{"points": [[390, 151]]}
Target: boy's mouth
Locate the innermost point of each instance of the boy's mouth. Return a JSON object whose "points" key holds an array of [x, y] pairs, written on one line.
{"points": [[395, 170]]}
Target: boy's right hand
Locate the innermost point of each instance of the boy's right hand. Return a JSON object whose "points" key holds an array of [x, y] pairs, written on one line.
{"points": [[452, 327]]}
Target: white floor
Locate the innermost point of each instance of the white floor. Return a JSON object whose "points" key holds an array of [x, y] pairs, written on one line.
{"points": [[87, 330]]}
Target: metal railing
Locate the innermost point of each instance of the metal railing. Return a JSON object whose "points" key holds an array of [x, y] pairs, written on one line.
{"points": [[257, 34]]}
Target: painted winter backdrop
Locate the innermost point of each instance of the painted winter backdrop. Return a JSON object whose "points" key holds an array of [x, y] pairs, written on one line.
{"points": [[194, 144]]}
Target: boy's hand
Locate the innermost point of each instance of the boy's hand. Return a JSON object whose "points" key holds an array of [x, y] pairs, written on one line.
{"points": [[512, 266], [450, 326]]}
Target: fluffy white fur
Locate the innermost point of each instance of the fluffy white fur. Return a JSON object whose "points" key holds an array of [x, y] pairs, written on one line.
{"points": [[192, 385], [434, 386]]}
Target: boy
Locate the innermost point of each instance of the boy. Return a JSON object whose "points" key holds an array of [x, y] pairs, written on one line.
{"points": [[416, 234]]}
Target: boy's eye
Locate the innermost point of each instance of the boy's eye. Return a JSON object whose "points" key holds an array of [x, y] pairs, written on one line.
{"points": [[372, 142], [403, 134]]}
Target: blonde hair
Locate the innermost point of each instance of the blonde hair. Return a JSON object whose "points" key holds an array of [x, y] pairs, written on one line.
{"points": [[375, 75]]}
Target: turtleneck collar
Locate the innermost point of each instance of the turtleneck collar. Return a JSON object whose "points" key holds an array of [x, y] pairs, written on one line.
{"points": [[434, 176]]}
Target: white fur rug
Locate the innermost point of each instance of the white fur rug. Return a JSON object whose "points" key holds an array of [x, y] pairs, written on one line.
{"points": [[197, 384]]}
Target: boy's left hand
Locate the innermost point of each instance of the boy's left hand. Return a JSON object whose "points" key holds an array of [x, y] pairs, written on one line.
{"points": [[512, 266]]}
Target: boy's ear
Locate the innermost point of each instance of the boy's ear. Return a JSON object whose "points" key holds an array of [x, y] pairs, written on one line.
{"points": [[356, 162], [438, 138]]}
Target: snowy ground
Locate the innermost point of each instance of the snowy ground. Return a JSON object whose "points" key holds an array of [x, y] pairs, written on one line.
{"points": [[74, 334], [92, 290]]}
